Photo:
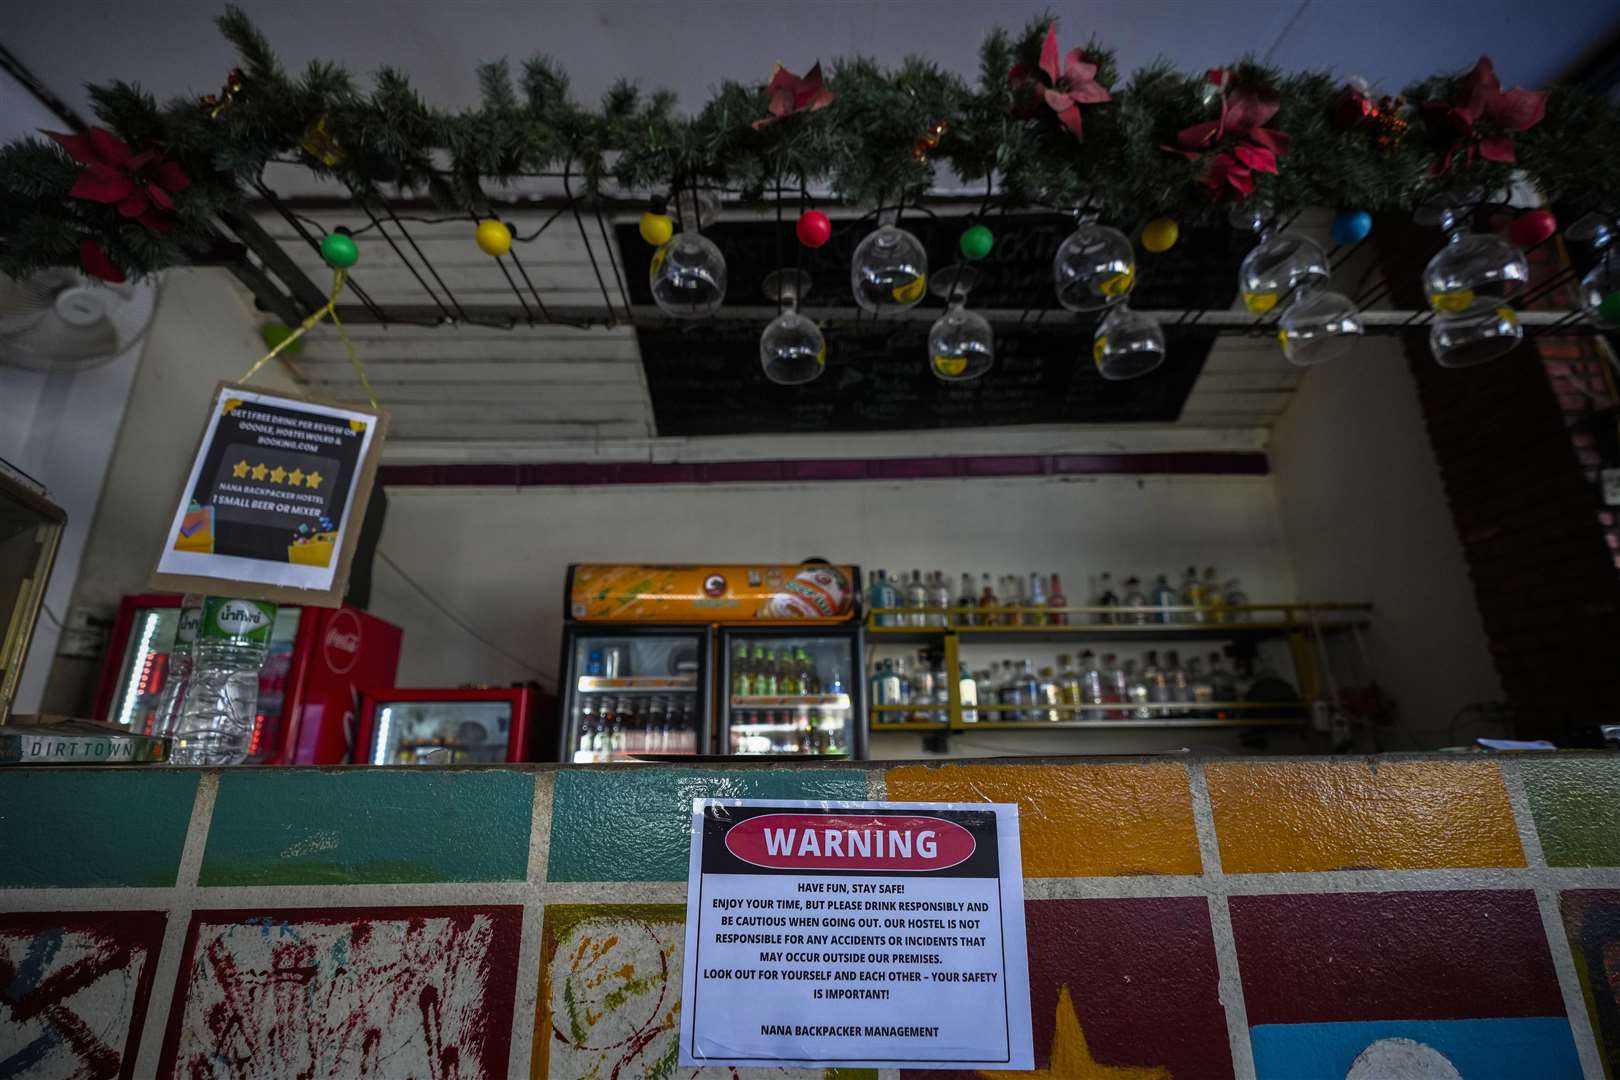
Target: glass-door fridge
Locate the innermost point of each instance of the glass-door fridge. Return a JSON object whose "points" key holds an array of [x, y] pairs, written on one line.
{"points": [[636, 692], [474, 726], [792, 692]]}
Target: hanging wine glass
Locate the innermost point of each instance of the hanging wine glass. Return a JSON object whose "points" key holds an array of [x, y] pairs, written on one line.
{"points": [[1318, 326], [1475, 337], [1473, 272], [1600, 288], [688, 276], [889, 270], [961, 345], [1280, 263], [792, 349], [697, 208], [1095, 267], [1128, 344]]}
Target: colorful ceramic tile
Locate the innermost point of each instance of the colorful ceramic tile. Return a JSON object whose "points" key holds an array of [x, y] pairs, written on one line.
{"points": [[1576, 804], [77, 828], [303, 827], [609, 997], [1592, 922], [1076, 820], [1349, 815], [636, 824], [1433, 984], [344, 992], [74, 990], [1121, 990]]}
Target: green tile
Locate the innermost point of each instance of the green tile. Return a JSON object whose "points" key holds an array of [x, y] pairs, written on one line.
{"points": [[356, 826], [1576, 804], [636, 824], [76, 828]]}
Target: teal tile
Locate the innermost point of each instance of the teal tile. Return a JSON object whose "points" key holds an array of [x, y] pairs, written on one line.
{"points": [[75, 828], [356, 826], [1576, 804], [636, 824]]}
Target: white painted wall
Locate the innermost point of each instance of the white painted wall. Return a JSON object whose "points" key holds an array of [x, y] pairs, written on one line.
{"points": [[1365, 517], [498, 557], [202, 332]]}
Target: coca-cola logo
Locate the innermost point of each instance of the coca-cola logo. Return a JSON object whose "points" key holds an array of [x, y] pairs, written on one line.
{"points": [[902, 844], [341, 646]]}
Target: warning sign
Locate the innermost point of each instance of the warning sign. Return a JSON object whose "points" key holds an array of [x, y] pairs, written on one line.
{"points": [[878, 935]]}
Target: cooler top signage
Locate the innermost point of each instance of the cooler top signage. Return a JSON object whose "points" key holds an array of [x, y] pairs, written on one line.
{"points": [[774, 593]]}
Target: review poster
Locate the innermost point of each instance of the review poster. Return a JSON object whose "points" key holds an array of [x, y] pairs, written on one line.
{"points": [[855, 935], [274, 499]]}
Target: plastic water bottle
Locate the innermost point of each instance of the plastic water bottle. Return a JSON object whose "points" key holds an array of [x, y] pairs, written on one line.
{"points": [[217, 720], [180, 658]]}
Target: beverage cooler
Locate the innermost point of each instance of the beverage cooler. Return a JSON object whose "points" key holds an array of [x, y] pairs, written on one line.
{"points": [[484, 726], [648, 668], [319, 663]]}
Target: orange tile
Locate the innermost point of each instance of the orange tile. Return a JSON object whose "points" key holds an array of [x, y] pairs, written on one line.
{"points": [[1076, 820], [1352, 815]]}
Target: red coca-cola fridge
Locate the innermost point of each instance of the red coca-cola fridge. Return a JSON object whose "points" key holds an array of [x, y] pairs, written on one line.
{"points": [[320, 661], [483, 725]]}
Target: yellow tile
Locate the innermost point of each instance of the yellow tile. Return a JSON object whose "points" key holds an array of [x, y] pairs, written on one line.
{"points": [[1076, 820], [1348, 815]]}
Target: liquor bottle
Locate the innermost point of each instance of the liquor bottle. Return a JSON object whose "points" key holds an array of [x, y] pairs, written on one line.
{"points": [[1057, 600], [942, 690], [922, 686], [1105, 597], [1012, 597], [1236, 598], [1136, 691], [1068, 681], [1091, 686], [1214, 597], [988, 599], [742, 674], [1133, 605], [1164, 598], [966, 599], [1220, 679], [967, 688], [1037, 601], [886, 690], [1158, 688], [880, 595], [1008, 690], [1192, 596], [1199, 689], [1113, 685], [939, 596], [1029, 692], [916, 598], [1050, 695], [902, 668], [1175, 679]]}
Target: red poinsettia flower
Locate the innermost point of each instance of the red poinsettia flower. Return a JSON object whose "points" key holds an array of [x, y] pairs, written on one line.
{"points": [[787, 94], [1253, 147], [1481, 99], [96, 261], [1065, 88], [142, 185]]}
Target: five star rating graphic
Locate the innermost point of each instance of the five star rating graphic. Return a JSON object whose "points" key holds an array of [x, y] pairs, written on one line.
{"points": [[294, 478]]}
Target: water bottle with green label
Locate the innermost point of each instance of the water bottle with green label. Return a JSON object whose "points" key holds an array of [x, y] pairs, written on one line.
{"points": [[216, 722], [178, 680]]}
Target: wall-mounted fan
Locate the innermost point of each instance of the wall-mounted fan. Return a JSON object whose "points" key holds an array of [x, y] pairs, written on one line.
{"points": [[60, 320]]}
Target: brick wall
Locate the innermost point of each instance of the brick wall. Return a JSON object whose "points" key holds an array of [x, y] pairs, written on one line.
{"points": [[1520, 467]]}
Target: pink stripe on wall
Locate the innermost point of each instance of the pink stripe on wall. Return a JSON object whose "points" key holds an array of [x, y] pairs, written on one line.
{"points": [[805, 470]]}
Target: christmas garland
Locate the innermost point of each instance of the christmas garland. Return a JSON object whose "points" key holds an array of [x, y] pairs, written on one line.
{"points": [[141, 192]]}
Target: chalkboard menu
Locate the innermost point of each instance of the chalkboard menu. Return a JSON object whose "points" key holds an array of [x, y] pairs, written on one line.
{"points": [[704, 377]]}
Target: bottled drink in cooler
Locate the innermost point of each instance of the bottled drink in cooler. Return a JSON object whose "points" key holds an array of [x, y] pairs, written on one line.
{"points": [[217, 719], [1056, 599], [742, 681], [835, 682], [181, 657]]}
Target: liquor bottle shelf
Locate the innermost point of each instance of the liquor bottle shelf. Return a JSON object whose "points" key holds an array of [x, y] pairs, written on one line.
{"points": [[1124, 623], [1250, 714], [634, 684]]}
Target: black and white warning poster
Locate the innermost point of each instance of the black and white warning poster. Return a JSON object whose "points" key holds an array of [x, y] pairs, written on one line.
{"points": [[855, 934]]}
